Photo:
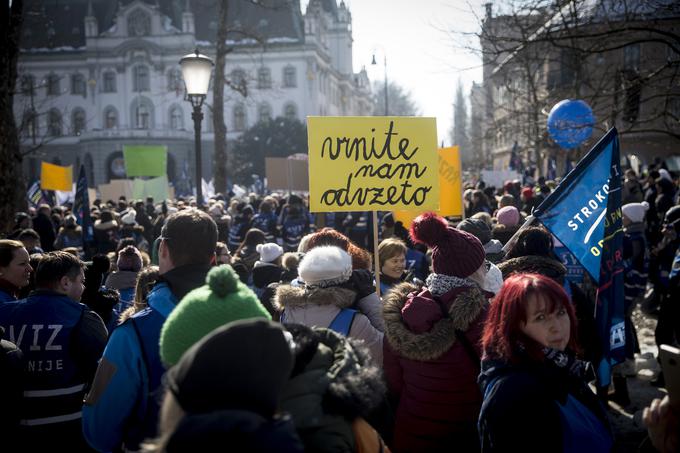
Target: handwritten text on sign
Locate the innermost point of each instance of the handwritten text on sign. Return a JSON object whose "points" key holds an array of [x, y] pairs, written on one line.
{"points": [[372, 163]]}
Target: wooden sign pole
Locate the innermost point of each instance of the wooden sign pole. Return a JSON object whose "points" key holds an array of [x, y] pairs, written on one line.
{"points": [[376, 256]]}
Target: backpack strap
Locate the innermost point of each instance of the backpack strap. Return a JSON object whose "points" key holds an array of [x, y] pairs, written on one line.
{"points": [[342, 323]]}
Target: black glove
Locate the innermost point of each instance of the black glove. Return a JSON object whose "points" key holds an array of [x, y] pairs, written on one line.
{"points": [[363, 283]]}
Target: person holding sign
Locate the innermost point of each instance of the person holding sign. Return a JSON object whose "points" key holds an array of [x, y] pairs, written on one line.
{"points": [[431, 355]]}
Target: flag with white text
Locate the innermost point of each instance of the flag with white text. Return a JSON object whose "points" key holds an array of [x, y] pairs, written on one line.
{"points": [[584, 213]]}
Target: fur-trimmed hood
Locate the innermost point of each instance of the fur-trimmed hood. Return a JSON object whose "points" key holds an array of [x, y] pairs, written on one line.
{"points": [[288, 296], [465, 305], [543, 265]]}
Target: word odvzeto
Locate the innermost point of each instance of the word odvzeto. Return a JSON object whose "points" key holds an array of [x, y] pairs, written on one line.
{"points": [[359, 150]]}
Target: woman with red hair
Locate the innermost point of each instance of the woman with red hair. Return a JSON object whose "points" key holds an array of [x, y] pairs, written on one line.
{"points": [[535, 392]]}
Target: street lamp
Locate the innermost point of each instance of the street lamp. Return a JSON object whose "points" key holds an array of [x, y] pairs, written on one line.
{"points": [[385, 63], [196, 70]]}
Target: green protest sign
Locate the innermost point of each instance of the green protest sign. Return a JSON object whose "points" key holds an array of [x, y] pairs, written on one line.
{"points": [[145, 160]]}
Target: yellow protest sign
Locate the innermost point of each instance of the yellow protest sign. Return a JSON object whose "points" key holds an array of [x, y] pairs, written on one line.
{"points": [[450, 188], [372, 163], [56, 177]]}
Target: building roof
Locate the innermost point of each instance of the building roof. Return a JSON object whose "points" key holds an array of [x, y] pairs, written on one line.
{"points": [[59, 24]]}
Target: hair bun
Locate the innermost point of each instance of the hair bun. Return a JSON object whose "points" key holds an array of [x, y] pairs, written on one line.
{"points": [[222, 280], [429, 229]]}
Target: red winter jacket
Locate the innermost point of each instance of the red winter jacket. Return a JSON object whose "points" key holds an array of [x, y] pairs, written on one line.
{"points": [[429, 369]]}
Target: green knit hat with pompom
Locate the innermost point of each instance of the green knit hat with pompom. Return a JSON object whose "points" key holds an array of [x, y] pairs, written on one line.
{"points": [[222, 300]]}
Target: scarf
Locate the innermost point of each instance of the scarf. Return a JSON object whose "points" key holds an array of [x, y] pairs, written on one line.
{"points": [[439, 284]]}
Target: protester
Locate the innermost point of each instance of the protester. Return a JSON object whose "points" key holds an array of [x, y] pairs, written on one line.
{"points": [[334, 388], [493, 248], [431, 355], [42, 224], [15, 269], [329, 294], [631, 190], [121, 409], [535, 391], [533, 252], [222, 255], [129, 263], [508, 219], [209, 405], [31, 241], [294, 223], [106, 233], [267, 269], [70, 234], [239, 227], [246, 255], [61, 353], [146, 280], [265, 220], [480, 203], [392, 263]]}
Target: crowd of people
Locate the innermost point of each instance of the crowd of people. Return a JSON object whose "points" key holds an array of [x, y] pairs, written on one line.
{"points": [[252, 324]]}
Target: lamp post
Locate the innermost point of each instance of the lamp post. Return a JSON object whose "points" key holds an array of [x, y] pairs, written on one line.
{"points": [[385, 64], [196, 70]]}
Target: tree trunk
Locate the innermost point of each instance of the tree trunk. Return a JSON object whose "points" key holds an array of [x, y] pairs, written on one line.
{"points": [[12, 192], [220, 154]]}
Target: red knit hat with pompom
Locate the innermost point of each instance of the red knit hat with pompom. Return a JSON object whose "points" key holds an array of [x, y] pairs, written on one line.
{"points": [[454, 252]]}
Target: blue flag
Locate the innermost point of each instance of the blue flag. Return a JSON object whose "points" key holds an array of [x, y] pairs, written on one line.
{"points": [[584, 213], [81, 208]]}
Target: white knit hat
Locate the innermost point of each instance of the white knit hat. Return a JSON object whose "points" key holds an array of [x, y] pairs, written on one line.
{"points": [[269, 251], [635, 212], [325, 266], [129, 217]]}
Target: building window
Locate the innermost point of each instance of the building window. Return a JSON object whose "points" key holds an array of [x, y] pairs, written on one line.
{"points": [[54, 123], [289, 77], [631, 57], [264, 78], [238, 79], [53, 88], [139, 23], [142, 113], [569, 63], [176, 118], [110, 118], [29, 125], [175, 81], [290, 111], [78, 121], [78, 85], [140, 76], [27, 85], [264, 113], [633, 92], [240, 121], [109, 85]]}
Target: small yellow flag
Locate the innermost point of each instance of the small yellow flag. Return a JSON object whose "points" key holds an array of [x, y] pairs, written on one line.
{"points": [[56, 177]]}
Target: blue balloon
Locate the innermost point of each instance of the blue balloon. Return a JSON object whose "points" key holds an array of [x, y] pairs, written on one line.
{"points": [[570, 123]]}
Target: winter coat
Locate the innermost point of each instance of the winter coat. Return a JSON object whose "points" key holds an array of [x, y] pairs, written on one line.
{"points": [[106, 236], [266, 273], [587, 328], [503, 233], [430, 370], [43, 225], [122, 405], [69, 237], [494, 250], [12, 376], [334, 382], [126, 284], [522, 409], [319, 306], [239, 430]]}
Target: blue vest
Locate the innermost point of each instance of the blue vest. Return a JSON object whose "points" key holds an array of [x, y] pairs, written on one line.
{"points": [[147, 325], [581, 429], [266, 223], [292, 231], [42, 326]]}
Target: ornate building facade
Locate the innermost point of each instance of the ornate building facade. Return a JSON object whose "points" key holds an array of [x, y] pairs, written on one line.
{"points": [[97, 75]]}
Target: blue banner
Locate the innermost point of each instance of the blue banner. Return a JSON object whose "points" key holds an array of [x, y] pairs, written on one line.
{"points": [[584, 213], [81, 208]]}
